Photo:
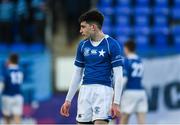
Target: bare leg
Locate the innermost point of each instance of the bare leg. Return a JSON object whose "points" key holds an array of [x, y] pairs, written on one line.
{"points": [[7, 119], [17, 119], [141, 117], [124, 118], [100, 122]]}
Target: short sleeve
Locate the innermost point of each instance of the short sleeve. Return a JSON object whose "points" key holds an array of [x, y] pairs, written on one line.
{"points": [[116, 54], [79, 60]]}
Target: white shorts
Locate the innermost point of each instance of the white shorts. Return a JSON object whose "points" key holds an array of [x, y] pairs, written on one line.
{"points": [[12, 105], [94, 102], [134, 101]]}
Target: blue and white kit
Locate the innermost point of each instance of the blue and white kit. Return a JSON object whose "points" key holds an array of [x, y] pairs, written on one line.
{"points": [[12, 100], [97, 62], [134, 98]]}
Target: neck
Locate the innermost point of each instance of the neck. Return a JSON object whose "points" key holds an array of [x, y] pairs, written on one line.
{"points": [[131, 53], [97, 36], [12, 64]]}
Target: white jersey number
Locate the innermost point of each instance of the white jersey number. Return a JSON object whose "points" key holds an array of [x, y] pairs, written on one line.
{"points": [[137, 70], [16, 77]]}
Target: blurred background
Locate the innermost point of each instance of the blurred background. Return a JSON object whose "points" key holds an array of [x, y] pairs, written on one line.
{"points": [[45, 34]]}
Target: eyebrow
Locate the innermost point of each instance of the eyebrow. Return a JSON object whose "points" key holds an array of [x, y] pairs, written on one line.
{"points": [[82, 25]]}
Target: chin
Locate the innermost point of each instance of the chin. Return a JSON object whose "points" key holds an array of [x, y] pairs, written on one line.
{"points": [[84, 37]]}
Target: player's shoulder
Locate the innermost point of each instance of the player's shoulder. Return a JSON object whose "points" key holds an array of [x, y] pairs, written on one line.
{"points": [[16, 68], [111, 39], [83, 41], [135, 59], [138, 58], [113, 42], [82, 44]]}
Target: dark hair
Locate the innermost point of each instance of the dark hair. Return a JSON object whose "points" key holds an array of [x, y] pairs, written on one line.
{"points": [[92, 16], [130, 45], [14, 58]]}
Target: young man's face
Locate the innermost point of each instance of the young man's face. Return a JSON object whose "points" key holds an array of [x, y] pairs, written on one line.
{"points": [[86, 29]]}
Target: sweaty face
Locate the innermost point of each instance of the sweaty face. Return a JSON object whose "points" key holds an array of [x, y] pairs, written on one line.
{"points": [[86, 29]]}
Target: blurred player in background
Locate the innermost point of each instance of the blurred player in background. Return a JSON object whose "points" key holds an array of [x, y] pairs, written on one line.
{"points": [[97, 56], [12, 99], [134, 99]]}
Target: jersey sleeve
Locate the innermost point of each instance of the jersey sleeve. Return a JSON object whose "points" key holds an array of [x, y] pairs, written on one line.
{"points": [[125, 68], [116, 54], [5, 75], [79, 60]]}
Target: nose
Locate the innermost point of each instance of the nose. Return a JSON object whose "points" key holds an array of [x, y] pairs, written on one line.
{"points": [[80, 31]]}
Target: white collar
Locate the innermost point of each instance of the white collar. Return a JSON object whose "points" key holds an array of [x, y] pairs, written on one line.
{"points": [[105, 36], [13, 66], [95, 44], [132, 56]]}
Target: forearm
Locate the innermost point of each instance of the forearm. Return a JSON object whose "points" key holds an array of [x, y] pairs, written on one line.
{"points": [[118, 85], [76, 79]]}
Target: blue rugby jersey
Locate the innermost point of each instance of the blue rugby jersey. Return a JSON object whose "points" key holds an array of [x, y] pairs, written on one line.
{"points": [[133, 70], [98, 61], [13, 78]]}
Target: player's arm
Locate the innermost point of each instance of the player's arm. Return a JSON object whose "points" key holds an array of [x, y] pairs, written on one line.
{"points": [[1, 86], [76, 79], [118, 84], [3, 80], [78, 72], [75, 82], [117, 64], [120, 80], [118, 87]]}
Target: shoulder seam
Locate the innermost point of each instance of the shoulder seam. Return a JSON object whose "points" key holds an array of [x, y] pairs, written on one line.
{"points": [[117, 44], [83, 45], [108, 46]]}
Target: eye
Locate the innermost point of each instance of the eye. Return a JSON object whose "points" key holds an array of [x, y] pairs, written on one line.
{"points": [[82, 26]]}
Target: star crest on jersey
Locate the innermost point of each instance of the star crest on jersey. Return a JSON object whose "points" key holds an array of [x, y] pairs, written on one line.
{"points": [[101, 53]]}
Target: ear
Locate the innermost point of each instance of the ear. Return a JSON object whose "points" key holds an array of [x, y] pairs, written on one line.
{"points": [[94, 27]]}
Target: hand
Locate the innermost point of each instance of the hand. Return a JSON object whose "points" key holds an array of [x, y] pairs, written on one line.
{"points": [[64, 111], [115, 110]]}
